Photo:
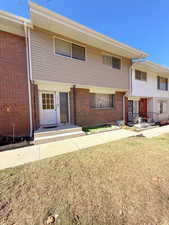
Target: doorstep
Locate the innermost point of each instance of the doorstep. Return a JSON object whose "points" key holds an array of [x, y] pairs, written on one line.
{"points": [[48, 135]]}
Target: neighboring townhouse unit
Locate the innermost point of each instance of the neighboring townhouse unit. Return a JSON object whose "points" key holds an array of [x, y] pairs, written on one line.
{"points": [[14, 83], [79, 76], [149, 95]]}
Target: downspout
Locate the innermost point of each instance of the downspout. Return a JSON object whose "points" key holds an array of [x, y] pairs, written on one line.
{"points": [[29, 77], [130, 92]]}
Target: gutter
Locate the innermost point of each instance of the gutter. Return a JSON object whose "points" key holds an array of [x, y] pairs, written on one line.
{"points": [[29, 72]]}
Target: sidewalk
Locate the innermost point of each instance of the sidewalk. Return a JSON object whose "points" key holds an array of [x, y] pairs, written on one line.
{"points": [[155, 131], [37, 152]]}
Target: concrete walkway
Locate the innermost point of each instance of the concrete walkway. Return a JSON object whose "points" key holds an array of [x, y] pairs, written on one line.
{"points": [[155, 131], [37, 152], [24, 155]]}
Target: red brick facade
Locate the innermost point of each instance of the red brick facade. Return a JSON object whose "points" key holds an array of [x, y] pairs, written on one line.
{"points": [[35, 106], [86, 116], [14, 107]]}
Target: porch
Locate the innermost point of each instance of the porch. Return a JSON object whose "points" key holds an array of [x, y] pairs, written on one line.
{"points": [[140, 112]]}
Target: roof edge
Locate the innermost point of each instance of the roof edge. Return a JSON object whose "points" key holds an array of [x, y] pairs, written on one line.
{"points": [[136, 53], [13, 18]]}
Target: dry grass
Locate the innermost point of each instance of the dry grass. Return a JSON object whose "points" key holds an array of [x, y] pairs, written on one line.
{"points": [[120, 183]]}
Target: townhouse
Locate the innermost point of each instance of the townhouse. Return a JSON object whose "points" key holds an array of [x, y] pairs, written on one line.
{"points": [[149, 95], [81, 76], [55, 72]]}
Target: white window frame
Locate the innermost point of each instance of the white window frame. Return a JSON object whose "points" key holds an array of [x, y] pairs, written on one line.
{"points": [[164, 108], [115, 56], [143, 72], [71, 42]]}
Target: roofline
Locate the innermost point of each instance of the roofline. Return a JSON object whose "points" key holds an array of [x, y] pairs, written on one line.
{"points": [[155, 66], [68, 22], [16, 19]]}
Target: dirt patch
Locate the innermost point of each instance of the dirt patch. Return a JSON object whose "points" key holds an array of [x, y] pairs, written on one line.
{"points": [[120, 183]]}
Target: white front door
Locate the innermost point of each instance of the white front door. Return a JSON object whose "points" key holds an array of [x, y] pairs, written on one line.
{"points": [[48, 108]]}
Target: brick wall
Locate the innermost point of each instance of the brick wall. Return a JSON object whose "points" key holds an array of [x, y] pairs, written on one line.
{"points": [[14, 109], [35, 106], [86, 116]]}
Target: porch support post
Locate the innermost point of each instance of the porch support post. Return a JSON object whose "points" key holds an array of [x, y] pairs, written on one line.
{"points": [[74, 103]]}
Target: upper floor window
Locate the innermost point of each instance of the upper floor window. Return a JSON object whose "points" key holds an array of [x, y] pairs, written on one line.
{"points": [[140, 75], [69, 49], [112, 61], [162, 83], [101, 100]]}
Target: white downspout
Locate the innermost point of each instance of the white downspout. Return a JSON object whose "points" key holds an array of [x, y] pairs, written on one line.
{"points": [[29, 71], [128, 93]]}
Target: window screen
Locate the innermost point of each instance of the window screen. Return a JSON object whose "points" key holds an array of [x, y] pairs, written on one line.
{"points": [[62, 47], [78, 52], [101, 100], [114, 62], [140, 75]]}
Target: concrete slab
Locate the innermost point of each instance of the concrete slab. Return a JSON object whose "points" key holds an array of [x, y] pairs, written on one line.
{"points": [[18, 156], [155, 132], [37, 152]]}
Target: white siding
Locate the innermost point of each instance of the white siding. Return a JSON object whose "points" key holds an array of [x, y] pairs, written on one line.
{"points": [[148, 88]]}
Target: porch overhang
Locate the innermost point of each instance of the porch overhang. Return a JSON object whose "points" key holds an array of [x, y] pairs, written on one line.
{"points": [[48, 20], [66, 87]]}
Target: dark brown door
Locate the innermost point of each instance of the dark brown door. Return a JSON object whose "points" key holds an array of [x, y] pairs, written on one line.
{"points": [[143, 107]]}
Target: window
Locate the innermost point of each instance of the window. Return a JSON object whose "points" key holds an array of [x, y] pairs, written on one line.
{"points": [[47, 101], [162, 83], [162, 107], [140, 75], [69, 49], [101, 100], [78, 52], [112, 61]]}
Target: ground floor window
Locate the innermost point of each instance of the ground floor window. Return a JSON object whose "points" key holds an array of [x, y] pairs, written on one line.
{"points": [[101, 100], [162, 107]]}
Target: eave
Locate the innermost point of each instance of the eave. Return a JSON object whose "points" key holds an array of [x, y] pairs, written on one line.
{"points": [[53, 22]]}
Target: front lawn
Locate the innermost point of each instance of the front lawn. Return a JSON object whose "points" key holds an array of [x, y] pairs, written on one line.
{"points": [[120, 183]]}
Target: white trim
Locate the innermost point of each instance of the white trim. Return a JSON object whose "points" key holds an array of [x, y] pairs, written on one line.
{"points": [[152, 67], [16, 19], [29, 78], [30, 53]]}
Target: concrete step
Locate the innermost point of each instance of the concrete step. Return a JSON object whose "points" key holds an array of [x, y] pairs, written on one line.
{"points": [[53, 132], [58, 137]]}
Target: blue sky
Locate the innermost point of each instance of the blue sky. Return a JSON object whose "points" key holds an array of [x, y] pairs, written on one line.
{"points": [[140, 24]]}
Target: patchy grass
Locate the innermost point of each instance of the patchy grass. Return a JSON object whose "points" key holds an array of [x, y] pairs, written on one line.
{"points": [[120, 183]]}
